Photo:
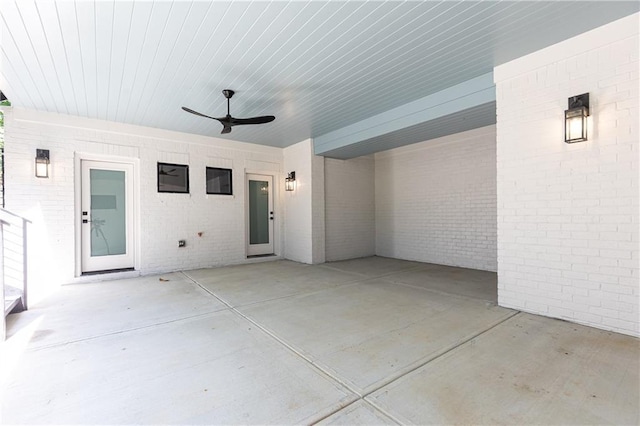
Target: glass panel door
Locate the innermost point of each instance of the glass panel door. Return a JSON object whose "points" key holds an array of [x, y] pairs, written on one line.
{"points": [[260, 214], [106, 216], [108, 212]]}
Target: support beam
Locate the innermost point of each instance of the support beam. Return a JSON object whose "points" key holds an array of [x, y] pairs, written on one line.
{"points": [[473, 101]]}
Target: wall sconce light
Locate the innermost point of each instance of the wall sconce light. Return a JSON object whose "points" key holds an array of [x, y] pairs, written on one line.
{"points": [[42, 163], [290, 182], [575, 119]]}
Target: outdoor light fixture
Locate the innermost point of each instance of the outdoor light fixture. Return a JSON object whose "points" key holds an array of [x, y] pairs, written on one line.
{"points": [[290, 182], [42, 163], [575, 119]]}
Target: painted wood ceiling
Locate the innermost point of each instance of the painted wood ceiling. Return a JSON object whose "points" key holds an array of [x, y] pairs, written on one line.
{"points": [[316, 65]]}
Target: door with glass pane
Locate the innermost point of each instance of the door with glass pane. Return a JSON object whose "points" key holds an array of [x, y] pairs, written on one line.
{"points": [[260, 214], [107, 216]]}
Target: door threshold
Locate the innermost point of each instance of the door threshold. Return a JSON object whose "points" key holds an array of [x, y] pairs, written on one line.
{"points": [[108, 271], [254, 256]]}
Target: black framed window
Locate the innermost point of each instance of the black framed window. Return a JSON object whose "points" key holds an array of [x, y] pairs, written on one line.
{"points": [[219, 181], [173, 178]]}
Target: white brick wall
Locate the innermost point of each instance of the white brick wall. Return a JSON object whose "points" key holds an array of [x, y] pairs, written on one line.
{"points": [[436, 201], [304, 207], [317, 208], [165, 218], [568, 214], [349, 208], [297, 221]]}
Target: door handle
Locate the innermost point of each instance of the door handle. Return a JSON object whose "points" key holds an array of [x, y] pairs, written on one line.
{"points": [[85, 221]]}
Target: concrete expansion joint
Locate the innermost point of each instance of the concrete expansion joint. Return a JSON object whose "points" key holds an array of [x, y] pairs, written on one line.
{"points": [[371, 352], [443, 293], [279, 340], [360, 395], [361, 398], [371, 277], [115, 333], [364, 397]]}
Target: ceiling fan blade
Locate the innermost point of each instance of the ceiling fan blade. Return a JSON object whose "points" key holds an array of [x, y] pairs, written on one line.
{"points": [[253, 120], [228, 121], [198, 113], [225, 121]]}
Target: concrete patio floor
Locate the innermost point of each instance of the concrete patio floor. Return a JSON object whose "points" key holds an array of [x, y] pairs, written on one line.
{"points": [[365, 341]]}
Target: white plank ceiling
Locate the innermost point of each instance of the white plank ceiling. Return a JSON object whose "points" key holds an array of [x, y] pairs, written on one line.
{"points": [[316, 65]]}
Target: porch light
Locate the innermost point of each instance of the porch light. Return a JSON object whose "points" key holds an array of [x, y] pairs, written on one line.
{"points": [[575, 119], [42, 163], [290, 182]]}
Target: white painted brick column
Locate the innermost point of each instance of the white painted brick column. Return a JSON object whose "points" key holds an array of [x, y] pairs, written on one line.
{"points": [[304, 223], [568, 214], [350, 208]]}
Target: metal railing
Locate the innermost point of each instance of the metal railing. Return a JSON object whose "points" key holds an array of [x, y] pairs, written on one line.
{"points": [[14, 261]]}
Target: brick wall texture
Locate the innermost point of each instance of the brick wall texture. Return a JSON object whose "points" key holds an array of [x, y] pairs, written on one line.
{"points": [[297, 227], [568, 214], [558, 222], [349, 208], [164, 218], [436, 201]]}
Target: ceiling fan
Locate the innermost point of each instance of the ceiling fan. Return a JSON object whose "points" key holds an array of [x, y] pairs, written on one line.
{"points": [[230, 121]]}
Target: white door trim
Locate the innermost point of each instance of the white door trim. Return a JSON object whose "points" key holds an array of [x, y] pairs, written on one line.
{"points": [[77, 181], [92, 220]]}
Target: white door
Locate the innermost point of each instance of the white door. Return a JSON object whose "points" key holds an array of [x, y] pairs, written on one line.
{"points": [[260, 214], [107, 216]]}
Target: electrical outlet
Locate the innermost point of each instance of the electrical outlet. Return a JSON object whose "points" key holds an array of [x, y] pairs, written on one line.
{"points": [[182, 243]]}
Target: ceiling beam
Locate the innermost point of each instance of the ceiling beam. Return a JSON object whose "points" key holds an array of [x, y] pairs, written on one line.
{"points": [[450, 102]]}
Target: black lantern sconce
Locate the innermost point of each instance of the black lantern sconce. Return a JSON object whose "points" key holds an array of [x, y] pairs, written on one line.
{"points": [[575, 119], [42, 163], [290, 182]]}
